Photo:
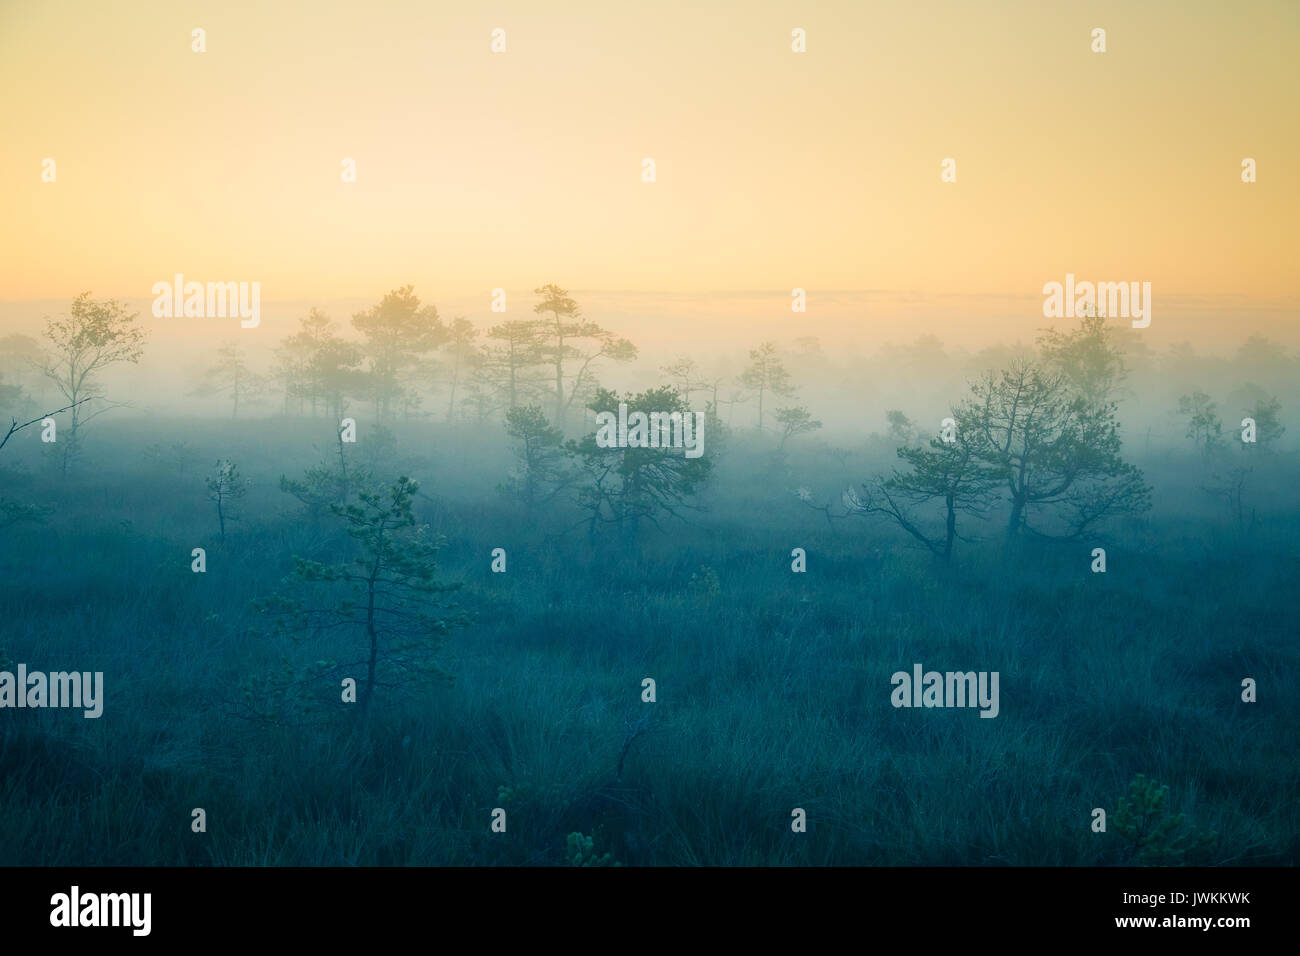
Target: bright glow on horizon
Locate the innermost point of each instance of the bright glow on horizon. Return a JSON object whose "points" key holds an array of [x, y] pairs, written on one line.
{"points": [[818, 170]]}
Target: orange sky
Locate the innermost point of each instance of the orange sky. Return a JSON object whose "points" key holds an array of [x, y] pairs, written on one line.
{"points": [[775, 169]]}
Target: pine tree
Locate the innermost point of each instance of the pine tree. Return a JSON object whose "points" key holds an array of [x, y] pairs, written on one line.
{"points": [[387, 597]]}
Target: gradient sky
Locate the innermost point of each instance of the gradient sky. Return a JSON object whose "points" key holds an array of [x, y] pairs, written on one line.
{"points": [[775, 169]]}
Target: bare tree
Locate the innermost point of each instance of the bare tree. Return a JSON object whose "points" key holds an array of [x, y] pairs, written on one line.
{"points": [[687, 377], [15, 427]]}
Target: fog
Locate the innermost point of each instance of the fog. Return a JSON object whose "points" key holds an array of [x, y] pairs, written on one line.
{"points": [[360, 568]]}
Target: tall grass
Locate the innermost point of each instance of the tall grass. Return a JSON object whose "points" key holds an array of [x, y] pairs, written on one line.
{"points": [[772, 688]]}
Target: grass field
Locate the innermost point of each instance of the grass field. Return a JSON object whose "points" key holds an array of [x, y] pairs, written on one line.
{"points": [[772, 688]]}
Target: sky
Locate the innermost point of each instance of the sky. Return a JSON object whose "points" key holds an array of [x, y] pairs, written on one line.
{"points": [[774, 169]]}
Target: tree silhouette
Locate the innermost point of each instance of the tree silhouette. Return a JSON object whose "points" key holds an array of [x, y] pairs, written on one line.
{"points": [[556, 303], [511, 362], [1052, 448], [901, 428], [1268, 421], [398, 331], [97, 334], [328, 484], [687, 376], [230, 374], [462, 355], [1088, 357], [388, 595], [1204, 427], [13, 512], [623, 486], [953, 473], [563, 332], [795, 421], [225, 487], [300, 359], [766, 373], [20, 363], [539, 449]]}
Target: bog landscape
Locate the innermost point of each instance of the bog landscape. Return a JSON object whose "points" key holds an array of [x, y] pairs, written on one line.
{"points": [[711, 434]]}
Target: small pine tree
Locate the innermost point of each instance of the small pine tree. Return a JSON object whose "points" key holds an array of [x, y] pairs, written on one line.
{"points": [[542, 469], [795, 421], [581, 852], [388, 595], [1204, 426], [1154, 836], [225, 487]]}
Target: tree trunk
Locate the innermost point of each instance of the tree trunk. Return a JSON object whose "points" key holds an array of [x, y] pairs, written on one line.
{"points": [[1017, 514], [374, 641], [952, 530], [559, 373]]}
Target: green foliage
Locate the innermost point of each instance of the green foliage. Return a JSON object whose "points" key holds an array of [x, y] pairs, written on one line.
{"points": [[623, 485], [15, 512], [581, 852], [1204, 427], [98, 333], [953, 473], [715, 784], [290, 694], [1057, 451], [388, 595], [398, 331], [901, 428], [1088, 356], [562, 339], [320, 487], [705, 585], [225, 487], [766, 373], [1267, 412], [795, 421], [314, 365], [334, 482], [1154, 836], [542, 470]]}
